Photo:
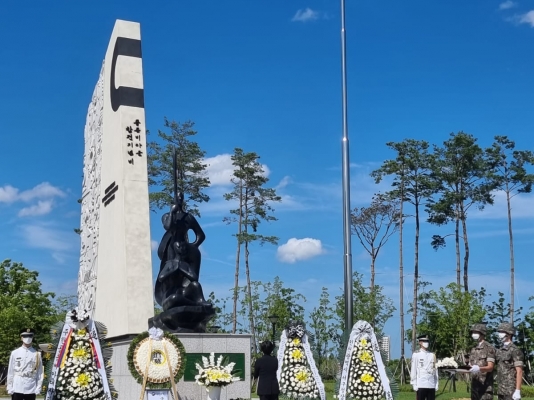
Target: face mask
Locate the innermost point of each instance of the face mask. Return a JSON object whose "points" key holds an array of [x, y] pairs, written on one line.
{"points": [[502, 336], [27, 340], [475, 336], [425, 345]]}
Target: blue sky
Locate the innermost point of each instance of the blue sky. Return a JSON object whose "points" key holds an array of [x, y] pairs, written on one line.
{"points": [[265, 76]]}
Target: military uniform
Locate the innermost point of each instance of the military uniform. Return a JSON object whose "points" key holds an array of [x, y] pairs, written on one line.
{"points": [[482, 382], [424, 374], [508, 358], [25, 372], [482, 354]]}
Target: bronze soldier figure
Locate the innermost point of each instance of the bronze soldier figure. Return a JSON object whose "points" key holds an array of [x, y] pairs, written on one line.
{"points": [[509, 364], [482, 360]]}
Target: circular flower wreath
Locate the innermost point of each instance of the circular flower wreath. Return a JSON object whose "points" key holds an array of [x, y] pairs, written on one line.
{"points": [[364, 378], [296, 379], [157, 361]]}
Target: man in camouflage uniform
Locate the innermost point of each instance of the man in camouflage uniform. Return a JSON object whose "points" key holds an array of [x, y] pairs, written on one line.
{"points": [[509, 364], [482, 360]]}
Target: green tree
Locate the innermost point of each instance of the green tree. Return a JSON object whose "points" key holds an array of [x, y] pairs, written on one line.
{"points": [[509, 174], [525, 340], [23, 304], [322, 328], [412, 183], [374, 225], [271, 298], [497, 312], [447, 316], [368, 305], [62, 304], [459, 171], [192, 174], [254, 206]]}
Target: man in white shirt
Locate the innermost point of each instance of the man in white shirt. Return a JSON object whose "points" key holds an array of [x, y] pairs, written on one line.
{"points": [[424, 374], [25, 371]]}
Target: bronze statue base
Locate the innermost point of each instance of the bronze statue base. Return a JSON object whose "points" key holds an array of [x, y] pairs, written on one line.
{"points": [[185, 319]]}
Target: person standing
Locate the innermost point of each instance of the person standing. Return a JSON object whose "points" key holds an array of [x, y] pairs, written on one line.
{"points": [[265, 369], [25, 371], [482, 361], [509, 364], [424, 374]]}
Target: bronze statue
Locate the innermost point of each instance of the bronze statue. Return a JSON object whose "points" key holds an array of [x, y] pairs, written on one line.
{"points": [[177, 289]]}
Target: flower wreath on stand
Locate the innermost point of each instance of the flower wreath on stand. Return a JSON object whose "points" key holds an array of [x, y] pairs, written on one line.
{"points": [[364, 376], [297, 373], [156, 360], [80, 368]]}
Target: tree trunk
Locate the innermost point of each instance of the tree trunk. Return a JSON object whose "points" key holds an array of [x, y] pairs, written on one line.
{"points": [[373, 302], [466, 249], [250, 309], [401, 289], [237, 258], [415, 276], [512, 264], [457, 243]]}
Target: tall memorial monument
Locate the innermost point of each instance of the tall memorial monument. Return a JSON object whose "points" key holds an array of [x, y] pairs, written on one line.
{"points": [[115, 278]]}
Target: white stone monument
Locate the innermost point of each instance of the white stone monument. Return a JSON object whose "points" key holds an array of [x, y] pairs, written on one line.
{"points": [[115, 278]]}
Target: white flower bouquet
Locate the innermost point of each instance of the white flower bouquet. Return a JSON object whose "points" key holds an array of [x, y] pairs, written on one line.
{"points": [[447, 362], [296, 379], [79, 377], [213, 373], [364, 381]]}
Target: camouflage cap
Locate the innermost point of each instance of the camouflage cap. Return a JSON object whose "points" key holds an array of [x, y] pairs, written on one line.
{"points": [[479, 328], [506, 327]]}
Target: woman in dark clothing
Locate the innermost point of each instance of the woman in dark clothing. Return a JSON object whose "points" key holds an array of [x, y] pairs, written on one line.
{"points": [[265, 369]]}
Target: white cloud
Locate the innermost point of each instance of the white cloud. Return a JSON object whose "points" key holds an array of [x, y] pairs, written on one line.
{"points": [[305, 15], [221, 170], [8, 194], [42, 207], [527, 18], [522, 207], [42, 191], [286, 180], [507, 5], [299, 249], [154, 245]]}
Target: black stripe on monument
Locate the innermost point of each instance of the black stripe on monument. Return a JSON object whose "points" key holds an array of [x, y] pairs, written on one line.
{"points": [[124, 95], [109, 188]]}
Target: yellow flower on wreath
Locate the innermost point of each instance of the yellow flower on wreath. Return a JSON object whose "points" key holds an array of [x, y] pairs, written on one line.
{"points": [[81, 332], [363, 342], [83, 379], [365, 357], [297, 354], [301, 376], [296, 341], [79, 353], [367, 378]]}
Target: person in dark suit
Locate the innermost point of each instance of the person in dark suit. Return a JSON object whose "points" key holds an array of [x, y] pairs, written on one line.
{"points": [[265, 370]]}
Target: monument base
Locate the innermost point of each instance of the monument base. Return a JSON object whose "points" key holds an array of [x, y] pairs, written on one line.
{"points": [[183, 319], [194, 344]]}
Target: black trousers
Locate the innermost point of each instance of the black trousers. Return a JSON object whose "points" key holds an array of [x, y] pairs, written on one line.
{"points": [[22, 396], [268, 396], [426, 394]]}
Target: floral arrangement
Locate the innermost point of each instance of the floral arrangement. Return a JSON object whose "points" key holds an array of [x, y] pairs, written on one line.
{"points": [[79, 377], [212, 373], [297, 380], [153, 355], [364, 381], [447, 362]]}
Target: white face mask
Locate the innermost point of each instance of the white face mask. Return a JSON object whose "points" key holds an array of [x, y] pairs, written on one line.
{"points": [[475, 336], [425, 345], [502, 336], [27, 340]]}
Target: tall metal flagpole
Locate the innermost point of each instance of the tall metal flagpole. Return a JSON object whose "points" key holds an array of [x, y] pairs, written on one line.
{"points": [[347, 258]]}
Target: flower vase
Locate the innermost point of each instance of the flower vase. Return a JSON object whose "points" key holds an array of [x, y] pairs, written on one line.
{"points": [[214, 392]]}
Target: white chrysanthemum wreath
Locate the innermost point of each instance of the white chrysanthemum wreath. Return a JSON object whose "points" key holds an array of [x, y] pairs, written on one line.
{"points": [[156, 359]]}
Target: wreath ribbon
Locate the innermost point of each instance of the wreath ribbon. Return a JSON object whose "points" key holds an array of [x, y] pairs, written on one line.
{"points": [[145, 375]]}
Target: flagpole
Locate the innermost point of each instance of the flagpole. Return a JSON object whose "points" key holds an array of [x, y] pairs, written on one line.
{"points": [[347, 247]]}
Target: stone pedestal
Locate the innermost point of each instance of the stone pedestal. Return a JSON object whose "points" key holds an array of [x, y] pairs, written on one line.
{"points": [[194, 343]]}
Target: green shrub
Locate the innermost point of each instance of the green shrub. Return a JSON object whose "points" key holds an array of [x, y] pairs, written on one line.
{"points": [[527, 391], [3, 391]]}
